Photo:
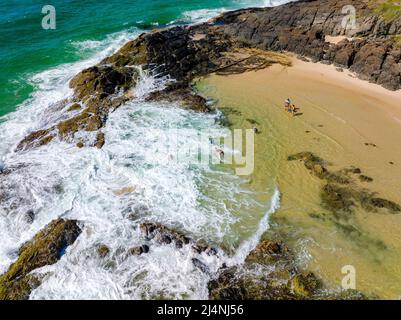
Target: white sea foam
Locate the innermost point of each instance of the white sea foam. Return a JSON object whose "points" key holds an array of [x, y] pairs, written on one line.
{"points": [[110, 191], [247, 246], [84, 184], [166, 193], [40, 111], [203, 15]]}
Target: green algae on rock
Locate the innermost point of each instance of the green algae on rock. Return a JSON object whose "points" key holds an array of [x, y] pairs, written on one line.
{"points": [[269, 273], [46, 248], [340, 194]]}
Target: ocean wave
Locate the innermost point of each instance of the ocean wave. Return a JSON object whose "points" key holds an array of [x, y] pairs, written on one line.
{"points": [[60, 180], [114, 189], [202, 15]]}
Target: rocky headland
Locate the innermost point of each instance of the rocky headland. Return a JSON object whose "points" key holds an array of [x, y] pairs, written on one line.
{"points": [[233, 42]]}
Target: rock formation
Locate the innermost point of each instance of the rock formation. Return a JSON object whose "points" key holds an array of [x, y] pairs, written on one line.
{"points": [[234, 42], [46, 248]]}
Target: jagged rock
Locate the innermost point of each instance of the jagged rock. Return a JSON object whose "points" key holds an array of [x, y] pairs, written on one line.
{"points": [[103, 80], [46, 248], [183, 96], [74, 107], [35, 139], [84, 121], [234, 42], [100, 140], [267, 274], [137, 251], [268, 252], [200, 247], [103, 251], [29, 216], [200, 265], [163, 235], [301, 27]]}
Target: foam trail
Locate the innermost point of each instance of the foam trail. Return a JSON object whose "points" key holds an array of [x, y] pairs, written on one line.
{"points": [[112, 190], [86, 184], [204, 15], [247, 246]]}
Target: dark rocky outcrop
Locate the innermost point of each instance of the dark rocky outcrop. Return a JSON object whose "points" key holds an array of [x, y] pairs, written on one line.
{"points": [[46, 248], [137, 251], [234, 42], [102, 251], [301, 27], [267, 274], [270, 273], [164, 235]]}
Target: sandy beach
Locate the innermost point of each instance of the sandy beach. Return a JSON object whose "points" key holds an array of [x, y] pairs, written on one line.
{"points": [[348, 122]]}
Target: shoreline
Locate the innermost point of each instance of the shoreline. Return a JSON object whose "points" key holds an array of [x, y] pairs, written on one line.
{"points": [[231, 45], [333, 106]]}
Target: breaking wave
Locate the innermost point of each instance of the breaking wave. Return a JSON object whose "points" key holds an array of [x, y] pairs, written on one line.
{"points": [[112, 190]]}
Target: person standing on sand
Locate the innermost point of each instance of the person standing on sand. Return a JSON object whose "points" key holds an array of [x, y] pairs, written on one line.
{"points": [[287, 104], [292, 109]]}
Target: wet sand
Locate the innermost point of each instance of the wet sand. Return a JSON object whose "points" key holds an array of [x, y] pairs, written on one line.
{"points": [[344, 120]]}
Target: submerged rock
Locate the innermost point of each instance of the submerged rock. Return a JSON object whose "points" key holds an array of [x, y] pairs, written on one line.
{"points": [[137, 251], [364, 178], [102, 251], [35, 139], [200, 265], [340, 194], [29, 216], [163, 235], [46, 248], [337, 199], [100, 140]]}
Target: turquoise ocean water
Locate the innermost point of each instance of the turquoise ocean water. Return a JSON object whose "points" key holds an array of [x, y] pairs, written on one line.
{"points": [[26, 48], [60, 180]]}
